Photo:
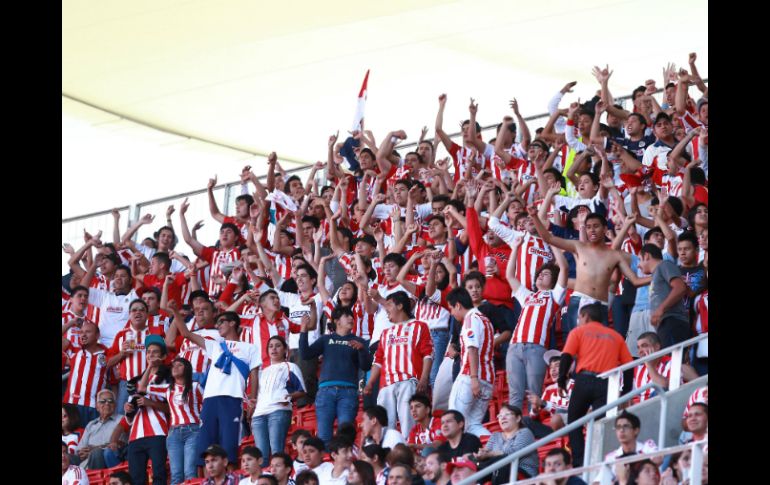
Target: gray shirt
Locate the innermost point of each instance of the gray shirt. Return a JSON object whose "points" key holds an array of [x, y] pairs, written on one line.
{"points": [[97, 433], [660, 288], [520, 440]]}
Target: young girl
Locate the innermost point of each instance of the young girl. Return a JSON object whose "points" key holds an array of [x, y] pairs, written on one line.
{"points": [[185, 399]]}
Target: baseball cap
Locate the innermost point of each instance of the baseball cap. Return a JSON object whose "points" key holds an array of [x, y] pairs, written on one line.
{"points": [[215, 450], [461, 463], [550, 354], [156, 340]]}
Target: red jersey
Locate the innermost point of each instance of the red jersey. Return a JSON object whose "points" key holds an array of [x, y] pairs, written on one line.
{"points": [[477, 331], [193, 353], [701, 306], [184, 412], [642, 377], [402, 350], [461, 155], [101, 282], [363, 323], [420, 435], [497, 290], [430, 311], [73, 333], [174, 289], [88, 376], [136, 363], [538, 310], [216, 258], [265, 329], [148, 422], [553, 401]]}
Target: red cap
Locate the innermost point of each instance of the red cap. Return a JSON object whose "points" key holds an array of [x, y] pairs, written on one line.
{"points": [[461, 463]]}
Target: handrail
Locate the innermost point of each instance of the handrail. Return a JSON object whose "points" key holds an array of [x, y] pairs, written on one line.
{"points": [[598, 413], [674, 381], [629, 459]]}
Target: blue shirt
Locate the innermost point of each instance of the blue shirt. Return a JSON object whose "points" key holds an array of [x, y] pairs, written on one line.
{"points": [[341, 361]]}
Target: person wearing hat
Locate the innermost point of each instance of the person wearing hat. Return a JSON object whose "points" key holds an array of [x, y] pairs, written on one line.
{"points": [[147, 416], [549, 412], [233, 363], [461, 468], [216, 462]]}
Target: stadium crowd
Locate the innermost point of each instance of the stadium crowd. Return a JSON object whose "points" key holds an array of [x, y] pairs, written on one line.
{"points": [[402, 305]]}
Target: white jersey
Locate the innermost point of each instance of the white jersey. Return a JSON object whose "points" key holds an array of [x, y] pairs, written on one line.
{"points": [[114, 312], [296, 311], [232, 384]]}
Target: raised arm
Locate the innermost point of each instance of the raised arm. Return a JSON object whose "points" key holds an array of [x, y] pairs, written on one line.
{"points": [[688, 194], [681, 147], [561, 261], [440, 122], [401, 277], [510, 271], [603, 76], [478, 144], [681, 92], [668, 233], [621, 233], [272, 159], [182, 328], [196, 246], [400, 246], [325, 296], [526, 136], [566, 244], [145, 219], [213, 208], [542, 213], [695, 75], [596, 137]]}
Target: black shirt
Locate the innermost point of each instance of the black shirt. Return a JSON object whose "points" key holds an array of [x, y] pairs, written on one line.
{"points": [[469, 443]]}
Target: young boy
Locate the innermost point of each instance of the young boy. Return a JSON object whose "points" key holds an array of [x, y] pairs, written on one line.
{"points": [[298, 439], [251, 462]]}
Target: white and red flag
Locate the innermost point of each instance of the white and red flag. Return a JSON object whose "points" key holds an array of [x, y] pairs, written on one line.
{"points": [[361, 104]]}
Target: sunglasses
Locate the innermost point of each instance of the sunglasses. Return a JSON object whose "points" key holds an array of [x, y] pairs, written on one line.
{"points": [[106, 401]]}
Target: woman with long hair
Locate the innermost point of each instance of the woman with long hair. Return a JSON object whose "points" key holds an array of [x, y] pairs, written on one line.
{"points": [[376, 456], [280, 384], [361, 473], [513, 437], [185, 400], [71, 430]]}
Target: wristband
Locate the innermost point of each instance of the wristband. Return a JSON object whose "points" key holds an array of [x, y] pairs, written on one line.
{"points": [[570, 122]]}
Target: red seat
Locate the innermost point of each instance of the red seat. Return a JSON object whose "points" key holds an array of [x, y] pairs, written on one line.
{"points": [[493, 426], [561, 442]]}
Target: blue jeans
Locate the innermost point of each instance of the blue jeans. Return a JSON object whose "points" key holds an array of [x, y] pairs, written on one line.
{"points": [[440, 342], [525, 368], [122, 398], [335, 402], [621, 315], [139, 451], [270, 433], [569, 322], [113, 458], [181, 452]]}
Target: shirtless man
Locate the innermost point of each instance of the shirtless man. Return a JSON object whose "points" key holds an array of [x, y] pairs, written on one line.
{"points": [[595, 263]]}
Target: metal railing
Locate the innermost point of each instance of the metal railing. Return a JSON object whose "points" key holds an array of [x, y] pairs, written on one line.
{"points": [[696, 465], [675, 378], [588, 418]]}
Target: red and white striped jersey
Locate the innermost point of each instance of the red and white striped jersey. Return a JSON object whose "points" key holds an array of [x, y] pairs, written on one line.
{"points": [[217, 258], [701, 306], [135, 364], [158, 323], [673, 183], [402, 350], [71, 440], [88, 376], [553, 401], [182, 412], [363, 323], [149, 422], [700, 395], [101, 282], [420, 435], [538, 310], [381, 321], [430, 311], [642, 377], [265, 329], [524, 172], [477, 331], [197, 355], [460, 156], [73, 333], [533, 252], [74, 476], [282, 264]]}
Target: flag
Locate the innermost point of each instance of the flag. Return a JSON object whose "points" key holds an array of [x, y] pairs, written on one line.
{"points": [[361, 104]]}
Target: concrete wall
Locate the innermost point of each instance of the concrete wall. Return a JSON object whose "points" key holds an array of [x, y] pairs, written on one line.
{"points": [[604, 439]]}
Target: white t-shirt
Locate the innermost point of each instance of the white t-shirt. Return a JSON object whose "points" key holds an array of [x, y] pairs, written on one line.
{"points": [[296, 311], [176, 266], [247, 481], [233, 384], [381, 321], [391, 438], [324, 472], [272, 388], [648, 446], [114, 312]]}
